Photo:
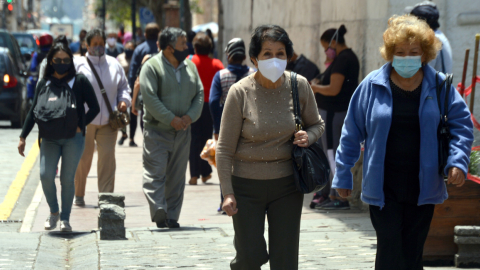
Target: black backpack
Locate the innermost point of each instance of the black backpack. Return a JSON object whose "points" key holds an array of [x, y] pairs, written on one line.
{"points": [[56, 111]]}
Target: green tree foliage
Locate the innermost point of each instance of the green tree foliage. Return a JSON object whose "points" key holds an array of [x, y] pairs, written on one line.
{"points": [[120, 10]]}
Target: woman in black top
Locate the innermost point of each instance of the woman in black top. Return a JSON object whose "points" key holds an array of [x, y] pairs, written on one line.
{"points": [[333, 91], [60, 90]]}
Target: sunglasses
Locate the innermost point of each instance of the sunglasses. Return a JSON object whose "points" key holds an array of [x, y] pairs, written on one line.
{"points": [[62, 60]]}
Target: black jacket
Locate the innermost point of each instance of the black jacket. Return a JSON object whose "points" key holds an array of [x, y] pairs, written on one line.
{"points": [[84, 93]]}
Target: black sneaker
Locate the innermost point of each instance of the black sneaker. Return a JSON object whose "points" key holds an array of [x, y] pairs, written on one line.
{"points": [[319, 205], [132, 144], [317, 199], [161, 224], [336, 205], [122, 140], [172, 224]]}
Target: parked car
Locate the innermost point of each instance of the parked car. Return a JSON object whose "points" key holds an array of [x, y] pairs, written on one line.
{"points": [[28, 43], [13, 90], [8, 41]]}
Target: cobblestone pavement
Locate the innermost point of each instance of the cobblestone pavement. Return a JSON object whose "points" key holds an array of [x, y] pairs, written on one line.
{"points": [[336, 240], [347, 243]]}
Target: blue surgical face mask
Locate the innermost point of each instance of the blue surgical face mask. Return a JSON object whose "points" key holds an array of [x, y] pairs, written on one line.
{"points": [[407, 66]]}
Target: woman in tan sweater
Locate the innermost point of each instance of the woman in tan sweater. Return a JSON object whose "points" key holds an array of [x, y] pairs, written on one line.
{"points": [[254, 163]]}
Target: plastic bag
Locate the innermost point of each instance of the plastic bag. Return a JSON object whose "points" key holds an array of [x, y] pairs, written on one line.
{"points": [[208, 152]]}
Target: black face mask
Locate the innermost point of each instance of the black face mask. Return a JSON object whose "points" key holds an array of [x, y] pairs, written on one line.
{"points": [[180, 55], [61, 68], [128, 53], [83, 51]]}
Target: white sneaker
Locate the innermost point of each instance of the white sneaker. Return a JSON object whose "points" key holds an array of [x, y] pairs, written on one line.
{"points": [[51, 222], [65, 226]]}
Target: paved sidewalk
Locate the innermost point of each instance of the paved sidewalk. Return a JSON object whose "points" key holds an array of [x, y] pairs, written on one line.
{"points": [[337, 240], [199, 206]]}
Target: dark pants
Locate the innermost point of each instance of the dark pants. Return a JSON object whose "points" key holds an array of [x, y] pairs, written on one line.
{"points": [[283, 204], [133, 125], [401, 233], [202, 130]]}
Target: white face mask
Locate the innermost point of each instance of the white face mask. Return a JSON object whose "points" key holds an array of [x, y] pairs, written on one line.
{"points": [[111, 41], [272, 68]]}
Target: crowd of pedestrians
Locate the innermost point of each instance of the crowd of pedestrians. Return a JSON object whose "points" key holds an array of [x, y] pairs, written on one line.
{"points": [[185, 97]]}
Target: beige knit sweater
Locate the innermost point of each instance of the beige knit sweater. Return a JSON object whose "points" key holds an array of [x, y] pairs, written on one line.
{"points": [[257, 127]]}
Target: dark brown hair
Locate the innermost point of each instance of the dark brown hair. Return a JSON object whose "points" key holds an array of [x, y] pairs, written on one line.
{"points": [[202, 44], [151, 31]]}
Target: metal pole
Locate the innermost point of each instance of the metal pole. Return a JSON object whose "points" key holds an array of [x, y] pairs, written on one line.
{"points": [[104, 14], [474, 75], [465, 67], [134, 24], [182, 14]]}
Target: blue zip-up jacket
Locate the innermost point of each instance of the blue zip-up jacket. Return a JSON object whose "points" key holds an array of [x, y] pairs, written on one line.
{"points": [[149, 46], [369, 118]]}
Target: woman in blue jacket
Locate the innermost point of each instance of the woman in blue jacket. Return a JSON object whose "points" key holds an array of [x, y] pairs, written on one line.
{"points": [[395, 112]]}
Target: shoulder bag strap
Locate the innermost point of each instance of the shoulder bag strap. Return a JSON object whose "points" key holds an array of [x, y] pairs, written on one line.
{"points": [[448, 79], [439, 92], [296, 101], [102, 89]]}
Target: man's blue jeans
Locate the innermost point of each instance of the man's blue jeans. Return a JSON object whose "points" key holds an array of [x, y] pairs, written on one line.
{"points": [[71, 151]]}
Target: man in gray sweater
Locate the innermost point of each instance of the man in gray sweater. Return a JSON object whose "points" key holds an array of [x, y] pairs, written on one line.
{"points": [[173, 98]]}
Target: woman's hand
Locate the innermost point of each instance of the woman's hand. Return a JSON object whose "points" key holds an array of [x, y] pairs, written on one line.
{"points": [[344, 193], [456, 177], [21, 147], [78, 130], [229, 205], [301, 138]]}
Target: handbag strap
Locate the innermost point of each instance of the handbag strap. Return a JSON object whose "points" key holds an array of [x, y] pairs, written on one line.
{"points": [[296, 101], [448, 84], [102, 89]]}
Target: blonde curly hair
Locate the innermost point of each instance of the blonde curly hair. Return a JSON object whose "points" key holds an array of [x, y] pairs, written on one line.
{"points": [[408, 28]]}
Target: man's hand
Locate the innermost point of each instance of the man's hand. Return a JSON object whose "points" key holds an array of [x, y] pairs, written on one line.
{"points": [[344, 193], [21, 147], [456, 177], [229, 205], [177, 123], [216, 136], [187, 121], [122, 106]]}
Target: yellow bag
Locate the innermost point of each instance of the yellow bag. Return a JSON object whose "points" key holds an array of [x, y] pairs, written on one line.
{"points": [[208, 152]]}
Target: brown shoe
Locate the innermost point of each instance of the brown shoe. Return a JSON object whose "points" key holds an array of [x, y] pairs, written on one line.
{"points": [[206, 178], [193, 181]]}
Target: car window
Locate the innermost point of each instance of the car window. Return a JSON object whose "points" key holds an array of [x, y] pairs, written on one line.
{"points": [[14, 67], [3, 42], [3, 65], [26, 42]]}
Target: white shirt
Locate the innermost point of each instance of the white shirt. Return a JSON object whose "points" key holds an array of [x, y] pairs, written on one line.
{"points": [[114, 80]]}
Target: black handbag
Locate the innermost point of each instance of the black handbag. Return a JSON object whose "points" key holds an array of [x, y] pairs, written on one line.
{"points": [[311, 169], [443, 131]]}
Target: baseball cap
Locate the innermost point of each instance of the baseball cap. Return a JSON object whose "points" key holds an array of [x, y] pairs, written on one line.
{"points": [[235, 46]]}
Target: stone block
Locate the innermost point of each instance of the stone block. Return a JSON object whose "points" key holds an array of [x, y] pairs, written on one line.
{"points": [[467, 231], [111, 222], [468, 240], [111, 198], [462, 261]]}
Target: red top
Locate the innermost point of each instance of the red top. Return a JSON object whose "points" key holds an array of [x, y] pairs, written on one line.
{"points": [[207, 68]]}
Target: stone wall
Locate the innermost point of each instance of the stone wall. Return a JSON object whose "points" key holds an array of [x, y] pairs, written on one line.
{"points": [[365, 20]]}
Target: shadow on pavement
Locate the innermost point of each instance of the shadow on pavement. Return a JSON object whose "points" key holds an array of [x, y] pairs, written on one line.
{"points": [[68, 235]]}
